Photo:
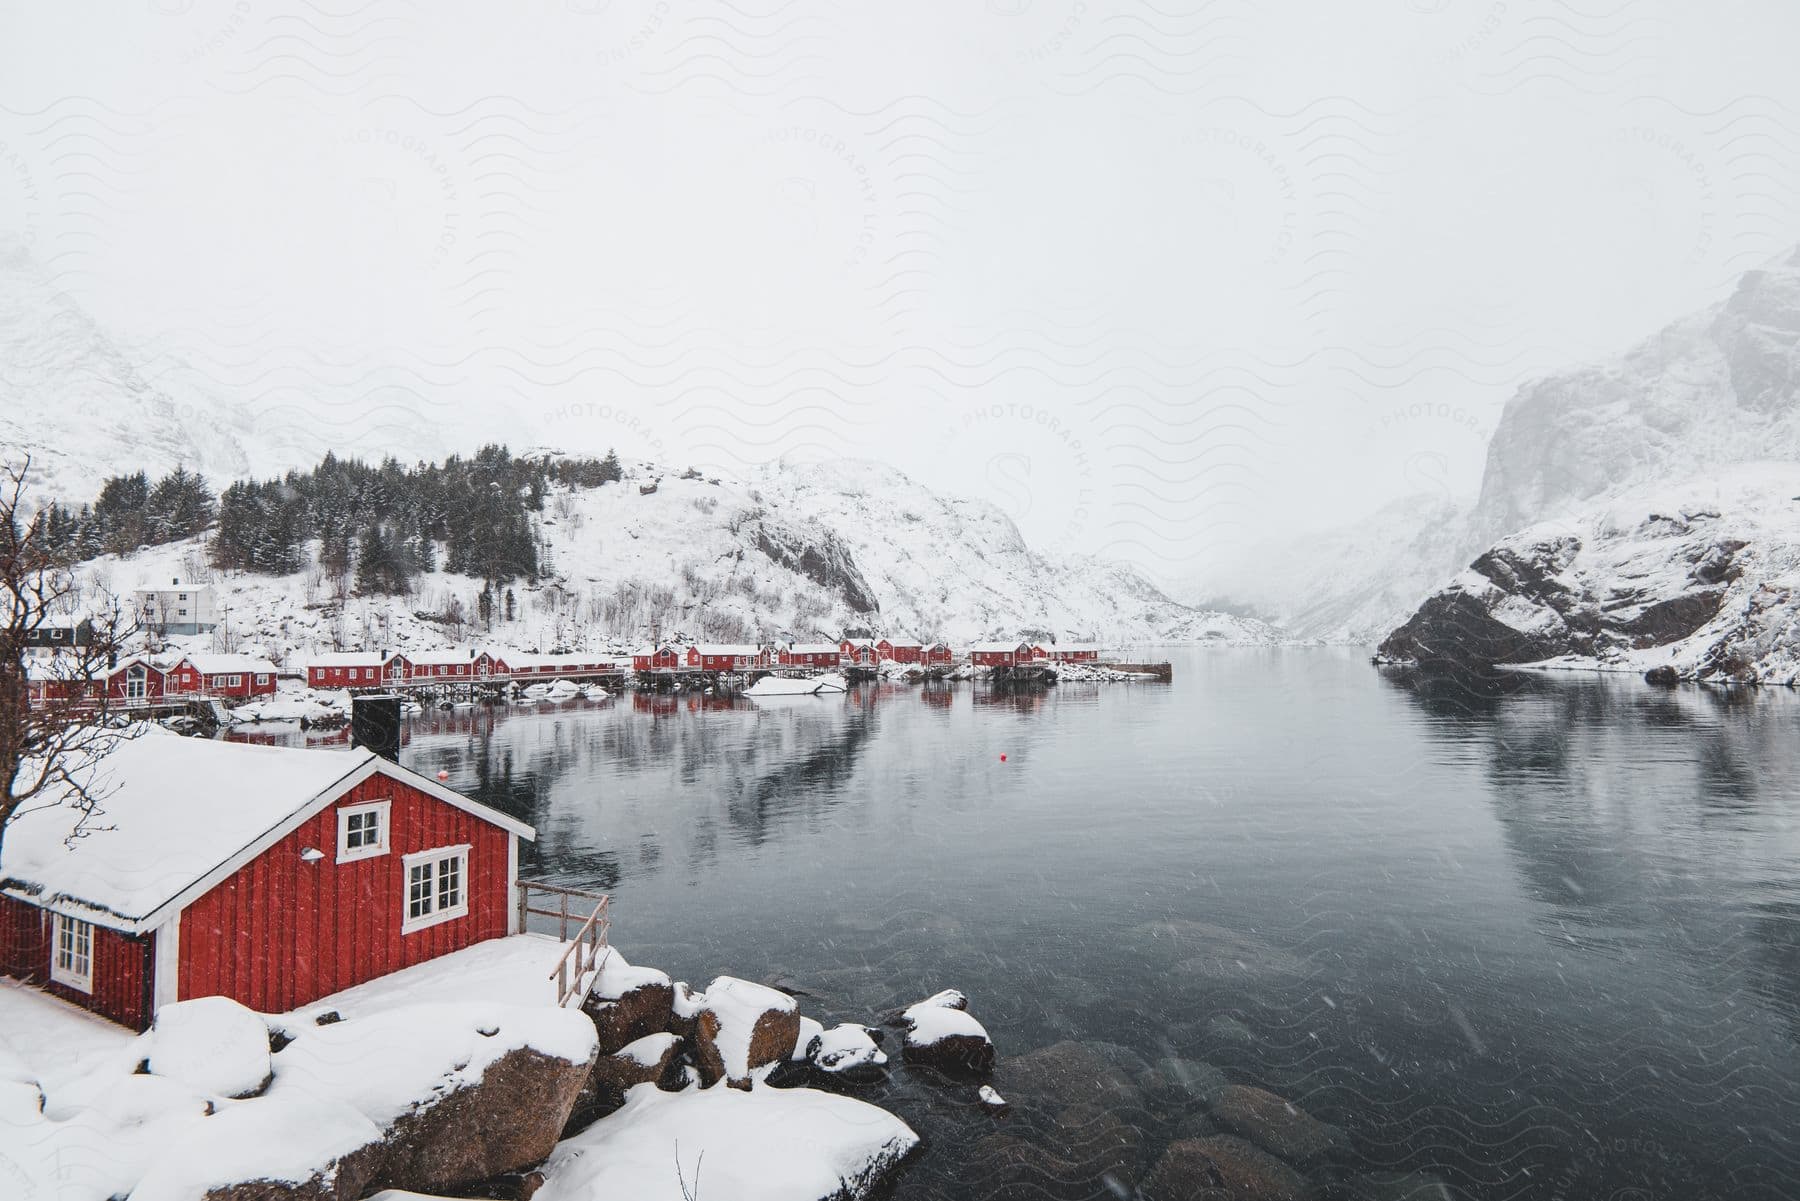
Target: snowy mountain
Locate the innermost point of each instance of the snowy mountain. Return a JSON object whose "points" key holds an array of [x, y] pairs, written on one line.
{"points": [[1657, 499], [1702, 577], [1719, 387], [86, 403], [797, 552], [78, 401]]}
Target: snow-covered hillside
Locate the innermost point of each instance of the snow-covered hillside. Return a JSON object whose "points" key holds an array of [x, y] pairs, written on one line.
{"points": [[797, 552], [1701, 576], [1721, 386]]}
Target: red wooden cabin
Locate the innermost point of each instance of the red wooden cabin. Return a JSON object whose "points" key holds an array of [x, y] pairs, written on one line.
{"points": [[271, 875], [1000, 654], [857, 650], [239, 676], [344, 669], [899, 650], [1075, 652], [720, 656], [656, 658], [811, 654], [936, 654], [432, 666]]}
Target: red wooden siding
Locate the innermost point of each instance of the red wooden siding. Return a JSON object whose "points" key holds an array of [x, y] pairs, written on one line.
{"points": [[122, 964], [282, 932]]}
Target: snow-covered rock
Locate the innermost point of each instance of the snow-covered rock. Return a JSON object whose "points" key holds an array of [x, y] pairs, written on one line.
{"points": [[847, 1050], [314, 1147], [212, 1044], [788, 1144], [1702, 577], [742, 1027], [940, 1032], [460, 1092]]}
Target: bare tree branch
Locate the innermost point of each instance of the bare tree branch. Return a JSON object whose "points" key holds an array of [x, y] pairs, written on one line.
{"points": [[57, 720]]}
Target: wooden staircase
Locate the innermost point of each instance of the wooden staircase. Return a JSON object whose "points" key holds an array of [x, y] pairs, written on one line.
{"points": [[580, 962]]}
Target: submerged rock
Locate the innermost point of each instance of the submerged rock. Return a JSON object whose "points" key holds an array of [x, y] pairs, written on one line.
{"points": [[1173, 1083], [1067, 1073], [1207, 1169], [1275, 1124]]}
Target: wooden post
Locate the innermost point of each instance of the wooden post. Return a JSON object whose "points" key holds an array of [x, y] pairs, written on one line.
{"points": [[524, 893], [565, 917]]}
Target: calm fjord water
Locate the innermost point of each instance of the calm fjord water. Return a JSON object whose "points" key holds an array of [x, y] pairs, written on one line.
{"points": [[1545, 945]]}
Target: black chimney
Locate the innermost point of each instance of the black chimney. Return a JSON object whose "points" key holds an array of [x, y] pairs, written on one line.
{"points": [[375, 723]]}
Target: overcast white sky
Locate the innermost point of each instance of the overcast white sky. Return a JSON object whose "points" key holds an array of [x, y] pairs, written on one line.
{"points": [[1164, 281]]}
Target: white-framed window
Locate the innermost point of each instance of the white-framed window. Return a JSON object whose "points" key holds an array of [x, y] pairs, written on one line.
{"points": [[233, 681], [72, 952], [262, 679], [362, 831], [437, 887]]}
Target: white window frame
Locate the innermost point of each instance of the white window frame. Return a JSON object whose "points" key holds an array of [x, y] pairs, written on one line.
{"points": [[234, 681], [433, 860], [262, 678], [349, 854], [81, 933]]}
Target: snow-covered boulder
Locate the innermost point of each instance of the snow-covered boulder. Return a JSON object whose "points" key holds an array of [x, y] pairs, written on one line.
{"points": [[626, 1003], [648, 1060], [290, 1148], [848, 1050], [941, 1033], [461, 1092], [213, 1044], [774, 1144], [742, 1027]]}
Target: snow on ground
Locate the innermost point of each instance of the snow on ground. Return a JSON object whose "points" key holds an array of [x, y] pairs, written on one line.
{"points": [[782, 686], [790, 1144], [517, 970]]}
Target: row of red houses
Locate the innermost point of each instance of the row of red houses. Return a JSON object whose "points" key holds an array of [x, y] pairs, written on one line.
{"points": [[371, 669], [137, 680]]}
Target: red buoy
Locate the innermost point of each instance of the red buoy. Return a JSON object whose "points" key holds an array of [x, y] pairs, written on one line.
{"points": [[1003, 758], [443, 774]]}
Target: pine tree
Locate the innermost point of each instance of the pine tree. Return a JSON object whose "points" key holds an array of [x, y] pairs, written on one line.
{"points": [[610, 471]]}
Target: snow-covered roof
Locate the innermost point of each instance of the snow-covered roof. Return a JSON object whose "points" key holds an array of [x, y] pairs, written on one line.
{"points": [[178, 815], [996, 646], [229, 664], [440, 658], [897, 643], [815, 648], [346, 659], [1074, 646], [724, 648], [860, 641]]}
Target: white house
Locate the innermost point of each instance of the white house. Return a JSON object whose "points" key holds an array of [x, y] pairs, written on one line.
{"points": [[176, 608]]}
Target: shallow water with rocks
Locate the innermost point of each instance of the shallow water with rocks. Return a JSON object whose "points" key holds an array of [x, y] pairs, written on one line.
{"points": [[1285, 927]]}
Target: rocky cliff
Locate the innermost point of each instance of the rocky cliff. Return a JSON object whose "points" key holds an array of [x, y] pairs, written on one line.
{"points": [[1701, 579]]}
